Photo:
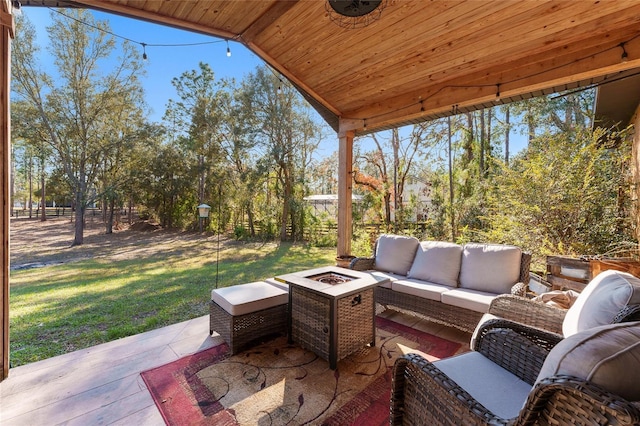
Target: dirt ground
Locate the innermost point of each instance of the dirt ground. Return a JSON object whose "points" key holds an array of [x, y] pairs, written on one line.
{"points": [[34, 243]]}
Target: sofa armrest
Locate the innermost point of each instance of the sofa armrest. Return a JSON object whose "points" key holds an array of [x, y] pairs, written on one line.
{"points": [[525, 311], [422, 394], [515, 347], [362, 263], [519, 289]]}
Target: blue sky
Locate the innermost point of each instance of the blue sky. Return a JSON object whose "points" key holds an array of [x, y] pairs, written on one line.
{"points": [[164, 63], [167, 62]]}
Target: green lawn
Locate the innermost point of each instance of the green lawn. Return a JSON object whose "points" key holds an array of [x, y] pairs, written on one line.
{"points": [[59, 309]]}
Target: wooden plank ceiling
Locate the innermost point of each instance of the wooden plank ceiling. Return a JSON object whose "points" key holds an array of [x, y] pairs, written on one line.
{"points": [[421, 59]]}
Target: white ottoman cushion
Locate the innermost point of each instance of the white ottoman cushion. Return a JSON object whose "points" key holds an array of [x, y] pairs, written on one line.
{"points": [[244, 299]]}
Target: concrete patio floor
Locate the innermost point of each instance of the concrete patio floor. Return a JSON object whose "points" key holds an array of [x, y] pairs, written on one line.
{"points": [[101, 385]]}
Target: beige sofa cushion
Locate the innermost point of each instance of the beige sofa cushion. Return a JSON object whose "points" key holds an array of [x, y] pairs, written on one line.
{"points": [[493, 268], [395, 253], [608, 356], [601, 300], [420, 288], [473, 300], [437, 262]]}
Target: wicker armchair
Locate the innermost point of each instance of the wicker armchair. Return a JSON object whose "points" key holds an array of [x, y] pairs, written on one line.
{"points": [[546, 317], [425, 393]]}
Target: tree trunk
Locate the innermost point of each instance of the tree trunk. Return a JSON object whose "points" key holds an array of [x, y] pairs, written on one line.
{"points": [[130, 210], [286, 196], [507, 121], [531, 125], [252, 228], [387, 208], [30, 188], [451, 198], [483, 136], [78, 238], [43, 213], [109, 222], [395, 142], [468, 142]]}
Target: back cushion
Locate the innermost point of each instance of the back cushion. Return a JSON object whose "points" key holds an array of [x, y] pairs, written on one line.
{"points": [[395, 253], [493, 268], [601, 300], [608, 356], [437, 262]]}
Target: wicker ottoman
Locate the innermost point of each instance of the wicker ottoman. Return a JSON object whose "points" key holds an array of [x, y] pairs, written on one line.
{"points": [[245, 313]]}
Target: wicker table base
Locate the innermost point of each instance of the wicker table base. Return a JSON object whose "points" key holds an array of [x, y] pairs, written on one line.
{"points": [[333, 321]]}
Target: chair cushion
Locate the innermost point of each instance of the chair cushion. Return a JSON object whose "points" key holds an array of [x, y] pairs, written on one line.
{"points": [[495, 388], [601, 300], [608, 356], [437, 262], [247, 298], [395, 253], [493, 268]]}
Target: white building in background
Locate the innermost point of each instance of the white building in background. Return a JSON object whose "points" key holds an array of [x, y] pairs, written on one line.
{"points": [[417, 196], [416, 199], [328, 203]]}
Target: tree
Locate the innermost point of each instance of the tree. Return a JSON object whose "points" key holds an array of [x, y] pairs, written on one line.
{"points": [[75, 107], [287, 136], [562, 196]]}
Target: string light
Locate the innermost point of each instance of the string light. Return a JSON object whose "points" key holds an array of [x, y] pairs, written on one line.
{"points": [[16, 4], [16, 8], [455, 109], [625, 55]]}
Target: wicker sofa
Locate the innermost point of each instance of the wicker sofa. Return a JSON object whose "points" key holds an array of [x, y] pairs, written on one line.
{"points": [[445, 282]]}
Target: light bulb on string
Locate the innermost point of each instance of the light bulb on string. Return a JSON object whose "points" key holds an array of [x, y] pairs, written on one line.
{"points": [[144, 51], [16, 8], [625, 55], [228, 50]]}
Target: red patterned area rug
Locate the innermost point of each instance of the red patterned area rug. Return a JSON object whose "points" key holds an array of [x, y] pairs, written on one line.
{"points": [[277, 383]]}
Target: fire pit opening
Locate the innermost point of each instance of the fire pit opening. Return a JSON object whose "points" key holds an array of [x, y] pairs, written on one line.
{"points": [[331, 278]]}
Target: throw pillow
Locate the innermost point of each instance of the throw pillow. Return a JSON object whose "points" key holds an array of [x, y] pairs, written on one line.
{"points": [[395, 253], [437, 262], [606, 356], [492, 268], [601, 300]]}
